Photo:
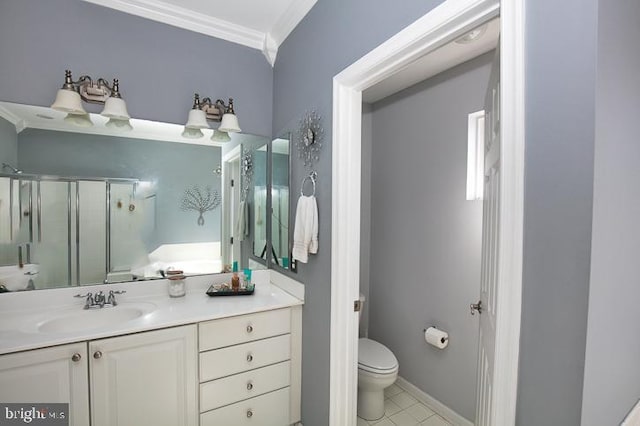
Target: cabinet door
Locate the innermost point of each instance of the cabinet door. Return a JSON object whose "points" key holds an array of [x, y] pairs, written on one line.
{"points": [[57, 374], [145, 379]]}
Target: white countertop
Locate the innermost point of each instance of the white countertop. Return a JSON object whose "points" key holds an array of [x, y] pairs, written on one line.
{"points": [[22, 313]]}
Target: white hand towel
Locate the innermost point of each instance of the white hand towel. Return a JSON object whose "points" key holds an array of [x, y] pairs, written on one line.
{"points": [[305, 233]]}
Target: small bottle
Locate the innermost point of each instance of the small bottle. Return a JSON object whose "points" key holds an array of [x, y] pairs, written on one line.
{"points": [[235, 279]]}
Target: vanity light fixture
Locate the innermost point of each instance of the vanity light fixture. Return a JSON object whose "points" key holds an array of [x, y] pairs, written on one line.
{"points": [[70, 96], [207, 110]]}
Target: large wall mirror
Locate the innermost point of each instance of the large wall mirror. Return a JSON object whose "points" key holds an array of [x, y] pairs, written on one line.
{"points": [[88, 205], [281, 228]]}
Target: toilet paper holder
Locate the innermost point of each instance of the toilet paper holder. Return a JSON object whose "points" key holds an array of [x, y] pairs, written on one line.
{"points": [[442, 340]]}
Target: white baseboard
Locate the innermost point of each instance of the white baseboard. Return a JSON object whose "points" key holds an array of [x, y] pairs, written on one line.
{"points": [[437, 406]]}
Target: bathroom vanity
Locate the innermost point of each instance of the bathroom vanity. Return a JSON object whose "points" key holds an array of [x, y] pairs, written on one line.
{"points": [[156, 360]]}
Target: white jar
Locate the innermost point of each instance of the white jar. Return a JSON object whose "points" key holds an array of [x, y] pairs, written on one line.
{"points": [[177, 287]]}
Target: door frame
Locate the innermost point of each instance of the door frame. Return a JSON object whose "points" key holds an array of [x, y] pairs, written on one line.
{"points": [[444, 23], [230, 170]]}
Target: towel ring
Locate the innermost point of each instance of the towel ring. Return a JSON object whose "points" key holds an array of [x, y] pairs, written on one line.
{"points": [[312, 176]]}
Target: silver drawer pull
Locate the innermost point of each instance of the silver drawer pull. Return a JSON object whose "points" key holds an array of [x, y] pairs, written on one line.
{"points": [[249, 329], [97, 355], [249, 358], [76, 357], [249, 413], [249, 385]]}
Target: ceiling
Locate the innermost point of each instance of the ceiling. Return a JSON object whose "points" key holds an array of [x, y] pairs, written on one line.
{"points": [[259, 24], [444, 58]]}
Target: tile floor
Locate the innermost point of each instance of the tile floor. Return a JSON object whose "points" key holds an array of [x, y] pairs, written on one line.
{"points": [[402, 409]]}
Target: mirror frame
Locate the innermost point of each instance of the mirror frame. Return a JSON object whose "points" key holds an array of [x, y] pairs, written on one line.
{"points": [[271, 263]]}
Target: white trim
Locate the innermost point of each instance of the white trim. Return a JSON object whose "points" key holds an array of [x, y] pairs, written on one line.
{"points": [[437, 406], [267, 42], [17, 122], [512, 122], [296, 11], [444, 23], [187, 19], [227, 226]]}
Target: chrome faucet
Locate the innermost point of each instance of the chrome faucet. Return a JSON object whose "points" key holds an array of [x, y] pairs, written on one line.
{"points": [[99, 300], [89, 303]]}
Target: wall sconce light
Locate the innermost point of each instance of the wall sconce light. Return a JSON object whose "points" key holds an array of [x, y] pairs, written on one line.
{"points": [[206, 110], [70, 96]]}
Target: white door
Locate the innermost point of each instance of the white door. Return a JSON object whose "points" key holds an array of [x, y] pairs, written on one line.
{"points": [[490, 239], [49, 375], [145, 379]]}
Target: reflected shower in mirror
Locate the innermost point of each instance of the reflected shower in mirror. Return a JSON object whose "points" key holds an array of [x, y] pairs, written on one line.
{"points": [[85, 205], [280, 223], [260, 202]]}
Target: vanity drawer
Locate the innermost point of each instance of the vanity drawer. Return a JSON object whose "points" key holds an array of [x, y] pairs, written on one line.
{"points": [[271, 409], [236, 359], [219, 393], [246, 328]]}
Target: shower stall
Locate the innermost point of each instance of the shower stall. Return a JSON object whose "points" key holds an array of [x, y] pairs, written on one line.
{"points": [[77, 230]]}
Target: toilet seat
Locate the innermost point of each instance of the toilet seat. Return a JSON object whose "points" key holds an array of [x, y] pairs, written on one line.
{"points": [[376, 358]]}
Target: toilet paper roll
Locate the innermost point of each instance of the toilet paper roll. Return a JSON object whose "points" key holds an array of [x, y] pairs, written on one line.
{"points": [[437, 338]]}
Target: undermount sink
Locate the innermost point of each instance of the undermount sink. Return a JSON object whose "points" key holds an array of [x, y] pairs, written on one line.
{"points": [[89, 319]]}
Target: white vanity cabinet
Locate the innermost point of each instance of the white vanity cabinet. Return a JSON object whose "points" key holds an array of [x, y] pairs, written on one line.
{"points": [[250, 369], [145, 378], [57, 374]]}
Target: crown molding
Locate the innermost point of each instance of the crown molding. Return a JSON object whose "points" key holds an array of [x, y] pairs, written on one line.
{"points": [[296, 11], [17, 122], [187, 19]]}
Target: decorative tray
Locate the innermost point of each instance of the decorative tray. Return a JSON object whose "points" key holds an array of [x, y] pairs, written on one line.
{"points": [[223, 290]]}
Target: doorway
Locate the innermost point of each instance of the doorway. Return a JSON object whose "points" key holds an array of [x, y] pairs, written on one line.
{"points": [[447, 22], [231, 198]]}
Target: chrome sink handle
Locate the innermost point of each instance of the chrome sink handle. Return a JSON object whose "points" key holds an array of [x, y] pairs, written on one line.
{"points": [[89, 303], [111, 300]]}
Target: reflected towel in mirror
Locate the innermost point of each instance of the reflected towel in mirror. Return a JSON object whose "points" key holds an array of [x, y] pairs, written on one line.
{"points": [[305, 233], [242, 224]]}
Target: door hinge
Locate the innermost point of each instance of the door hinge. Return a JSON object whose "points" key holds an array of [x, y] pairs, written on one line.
{"points": [[357, 305], [231, 240], [232, 183]]}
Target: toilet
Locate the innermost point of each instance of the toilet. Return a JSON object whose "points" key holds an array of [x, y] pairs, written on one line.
{"points": [[377, 370]]}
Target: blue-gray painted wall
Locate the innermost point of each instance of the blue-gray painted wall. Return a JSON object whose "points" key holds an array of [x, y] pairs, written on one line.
{"points": [[560, 68], [612, 368], [426, 238], [560, 104], [159, 66], [332, 36]]}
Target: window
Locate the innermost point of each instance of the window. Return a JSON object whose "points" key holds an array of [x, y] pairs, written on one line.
{"points": [[475, 156]]}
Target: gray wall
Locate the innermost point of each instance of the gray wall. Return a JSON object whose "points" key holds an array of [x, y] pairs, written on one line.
{"points": [[173, 166], [560, 80], [425, 236], [159, 66], [8, 144], [560, 96], [333, 35], [612, 369]]}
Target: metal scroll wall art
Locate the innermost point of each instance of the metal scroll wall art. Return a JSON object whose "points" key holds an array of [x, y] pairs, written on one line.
{"points": [[309, 138], [200, 200], [247, 172]]}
